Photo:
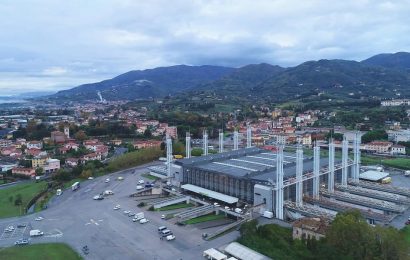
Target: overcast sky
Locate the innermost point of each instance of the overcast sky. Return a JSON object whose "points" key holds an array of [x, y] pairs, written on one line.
{"points": [[51, 44]]}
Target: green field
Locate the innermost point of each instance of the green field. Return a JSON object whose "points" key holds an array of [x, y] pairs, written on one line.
{"points": [[49, 251], [401, 163], [8, 196], [176, 206], [204, 218], [406, 231], [149, 176]]}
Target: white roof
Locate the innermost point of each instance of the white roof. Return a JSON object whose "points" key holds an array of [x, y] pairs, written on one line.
{"points": [[373, 175], [215, 254], [209, 193], [244, 253]]}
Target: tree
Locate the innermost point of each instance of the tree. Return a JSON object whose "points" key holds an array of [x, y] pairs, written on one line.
{"points": [[147, 133], [197, 152], [80, 136], [18, 201], [86, 173], [39, 171], [374, 135]]}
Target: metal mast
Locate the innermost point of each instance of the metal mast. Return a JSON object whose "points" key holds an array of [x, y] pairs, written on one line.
{"points": [[235, 140], [331, 175], [169, 155], [316, 168], [221, 141], [299, 172], [279, 183], [188, 145], [345, 156], [248, 136], [205, 142]]}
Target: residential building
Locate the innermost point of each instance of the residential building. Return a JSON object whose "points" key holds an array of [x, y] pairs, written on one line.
{"points": [[398, 149], [39, 161], [58, 137], [24, 171], [72, 162], [52, 165], [172, 131], [5, 143], [308, 228], [35, 144], [140, 144], [399, 135], [378, 146]]}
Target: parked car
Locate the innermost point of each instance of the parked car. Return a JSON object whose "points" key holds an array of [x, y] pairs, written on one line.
{"points": [[39, 219], [21, 242], [91, 178], [162, 216], [143, 221], [141, 182], [126, 212], [117, 207], [21, 225], [98, 197], [107, 180], [131, 214], [170, 237]]}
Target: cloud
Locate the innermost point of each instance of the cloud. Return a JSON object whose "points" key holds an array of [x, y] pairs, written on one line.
{"points": [[54, 71], [80, 40]]}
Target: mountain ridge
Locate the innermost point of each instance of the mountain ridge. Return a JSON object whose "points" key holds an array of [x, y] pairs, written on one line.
{"points": [[380, 75]]}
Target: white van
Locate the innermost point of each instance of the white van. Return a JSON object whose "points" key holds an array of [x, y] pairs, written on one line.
{"points": [[160, 229], [166, 232]]}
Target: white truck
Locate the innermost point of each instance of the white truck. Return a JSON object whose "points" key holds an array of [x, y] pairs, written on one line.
{"points": [[75, 186], [36, 233], [59, 192], [138, 217], [267, 214]]}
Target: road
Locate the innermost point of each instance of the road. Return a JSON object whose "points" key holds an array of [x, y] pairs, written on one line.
{"points": [[76, 219]]}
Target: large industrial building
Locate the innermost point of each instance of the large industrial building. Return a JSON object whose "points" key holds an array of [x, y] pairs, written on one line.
{"points": [[243, 173], [290, 184]]}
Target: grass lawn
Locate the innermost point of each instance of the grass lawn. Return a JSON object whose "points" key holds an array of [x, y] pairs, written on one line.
{"points": [[149, 176], [176, 206], [8, 196], [51, 251], [401, 163], [204, 218], [406, 231]]}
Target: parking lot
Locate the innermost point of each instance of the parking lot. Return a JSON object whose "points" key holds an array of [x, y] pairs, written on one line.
{"points": [[16, 233], [75, 218]]}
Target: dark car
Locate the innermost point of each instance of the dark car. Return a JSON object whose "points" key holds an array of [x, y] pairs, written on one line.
{"points": [[86, 250], [407, 222], [21, 225]]}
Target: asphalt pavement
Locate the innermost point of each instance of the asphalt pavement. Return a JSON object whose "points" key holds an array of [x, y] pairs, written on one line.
{"points": [[78, 220]]}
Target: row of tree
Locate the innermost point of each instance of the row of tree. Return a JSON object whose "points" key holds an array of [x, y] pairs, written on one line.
{"points": [[348, 237]]}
